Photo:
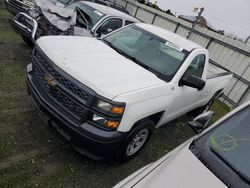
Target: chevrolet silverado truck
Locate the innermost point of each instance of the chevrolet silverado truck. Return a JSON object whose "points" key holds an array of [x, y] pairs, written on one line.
{"points": [[108, 95], [81, 18]]}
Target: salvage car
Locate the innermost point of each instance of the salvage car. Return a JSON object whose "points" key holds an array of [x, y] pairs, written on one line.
{"points": [[218, 157], [108, 95], [81, 19], [17, 6]]}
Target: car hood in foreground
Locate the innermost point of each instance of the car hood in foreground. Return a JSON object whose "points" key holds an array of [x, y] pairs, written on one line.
{"points": [[181, 169]]}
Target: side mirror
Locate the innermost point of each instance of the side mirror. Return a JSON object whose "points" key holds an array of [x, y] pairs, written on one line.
{"points": [[201, 121], [193, 81]]}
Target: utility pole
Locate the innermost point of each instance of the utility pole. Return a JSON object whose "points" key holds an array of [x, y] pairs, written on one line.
{"points": [[196, 21], [247, 39]]}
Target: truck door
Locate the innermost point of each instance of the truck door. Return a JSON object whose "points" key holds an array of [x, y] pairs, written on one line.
{"points": [[186, 98]]}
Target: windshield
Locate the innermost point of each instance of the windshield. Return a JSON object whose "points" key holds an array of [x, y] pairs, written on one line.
{"points": [[150, 51], [229, 143], [64, 1], [87, 16]]}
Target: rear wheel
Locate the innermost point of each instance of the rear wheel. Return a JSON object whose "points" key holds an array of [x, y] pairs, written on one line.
{"points": [[136, 140]]}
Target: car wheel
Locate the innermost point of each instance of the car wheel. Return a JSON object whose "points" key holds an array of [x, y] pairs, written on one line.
{"points": [[136, 140]]}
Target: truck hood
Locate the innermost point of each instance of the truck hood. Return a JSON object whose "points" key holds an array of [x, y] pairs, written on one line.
{"points": [[182, 169], [96, 65]]}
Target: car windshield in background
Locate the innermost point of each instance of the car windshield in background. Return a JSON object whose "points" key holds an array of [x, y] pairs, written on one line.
{"points": [[148, 50], [226, 147], [86, 15], [231, 143], [64, 1]]}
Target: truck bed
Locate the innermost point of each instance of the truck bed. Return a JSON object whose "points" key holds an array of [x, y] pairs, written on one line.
{"points": [[215, 70]]}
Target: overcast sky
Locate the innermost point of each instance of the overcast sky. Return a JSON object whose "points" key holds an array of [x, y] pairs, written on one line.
{"points": [[233, 16]]}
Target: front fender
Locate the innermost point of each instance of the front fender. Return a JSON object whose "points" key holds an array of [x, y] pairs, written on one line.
{"points": [[142, 104]]}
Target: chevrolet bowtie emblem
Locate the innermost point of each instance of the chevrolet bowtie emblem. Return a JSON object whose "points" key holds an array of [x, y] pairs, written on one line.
{"points": [[50, 80]]}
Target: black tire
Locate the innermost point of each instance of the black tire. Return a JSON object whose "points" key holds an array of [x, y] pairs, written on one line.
{"points": [[28, 41], [143, 128]]}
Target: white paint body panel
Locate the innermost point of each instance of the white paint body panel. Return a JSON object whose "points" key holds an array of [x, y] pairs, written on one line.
{"points": [[115, 77]]}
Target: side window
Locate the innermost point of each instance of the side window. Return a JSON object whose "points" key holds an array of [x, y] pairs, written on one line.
{"points": [[127, 22], [196, 67], [109, 25]]}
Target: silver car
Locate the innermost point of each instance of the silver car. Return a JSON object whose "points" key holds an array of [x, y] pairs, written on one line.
{"points": [[218, 157], [81, 19]]}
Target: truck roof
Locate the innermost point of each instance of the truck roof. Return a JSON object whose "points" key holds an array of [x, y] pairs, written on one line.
{"points": [[110, 11], [174, 38]]}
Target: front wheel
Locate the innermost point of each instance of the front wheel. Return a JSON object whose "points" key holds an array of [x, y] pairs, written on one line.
{"points": [[136, 140]]}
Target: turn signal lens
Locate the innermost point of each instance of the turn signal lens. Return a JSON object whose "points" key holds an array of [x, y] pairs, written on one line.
{"points": [[112, 124], [117, 110]]}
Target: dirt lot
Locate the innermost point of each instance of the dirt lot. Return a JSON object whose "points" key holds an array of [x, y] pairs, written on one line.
{"points": [[33, 155]]}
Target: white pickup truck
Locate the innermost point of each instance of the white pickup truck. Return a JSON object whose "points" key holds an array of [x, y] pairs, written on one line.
{"points": [[108, 95]]}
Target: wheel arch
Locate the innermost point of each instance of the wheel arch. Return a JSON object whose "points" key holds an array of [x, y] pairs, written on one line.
{"points": [[154, 117]]}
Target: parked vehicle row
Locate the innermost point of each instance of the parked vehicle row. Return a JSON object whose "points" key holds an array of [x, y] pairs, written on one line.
{"points": [[107, 88], [81, 18], [108, 93], [17, 6]]}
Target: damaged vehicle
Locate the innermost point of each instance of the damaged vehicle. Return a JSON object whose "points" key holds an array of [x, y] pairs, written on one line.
{"points": [[17, 6], [81, 18]]}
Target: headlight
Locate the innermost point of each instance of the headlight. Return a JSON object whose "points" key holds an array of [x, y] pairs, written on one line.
{"points": [[104, 122], [110, 108], [108, 114]]}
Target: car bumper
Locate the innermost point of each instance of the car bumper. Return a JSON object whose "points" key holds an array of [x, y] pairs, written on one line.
{"points": [[23, 28], [14, 8], [89, 140]]}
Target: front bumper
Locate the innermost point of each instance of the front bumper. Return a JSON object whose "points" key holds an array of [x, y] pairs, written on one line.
{"points": [[91, 141], [14, 8], [25, 25]]}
